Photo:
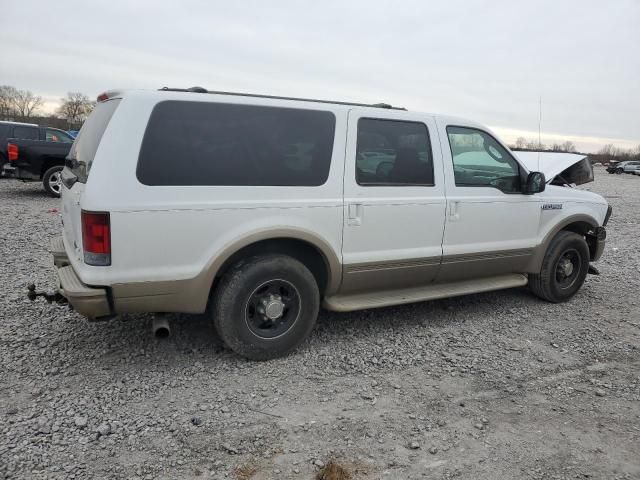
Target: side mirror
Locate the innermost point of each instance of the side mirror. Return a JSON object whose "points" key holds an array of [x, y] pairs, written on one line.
{"points": [[536, 183]]}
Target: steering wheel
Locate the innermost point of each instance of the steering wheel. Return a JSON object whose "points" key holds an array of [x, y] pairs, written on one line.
{"points": [[384, 169]]}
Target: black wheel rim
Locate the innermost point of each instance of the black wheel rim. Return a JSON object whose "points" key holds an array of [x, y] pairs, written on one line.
{"points": [[568, 268], [272, 308]]}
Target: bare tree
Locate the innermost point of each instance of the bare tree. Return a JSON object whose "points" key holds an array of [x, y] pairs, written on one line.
{"points": [[7, 102], [26, 103], [533, 145], [608, 150], [75, 108], [521, 142], [567, 146]]}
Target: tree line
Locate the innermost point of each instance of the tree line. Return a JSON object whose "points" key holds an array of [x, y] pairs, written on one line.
{"points": [[24, 106], [605, 154]]}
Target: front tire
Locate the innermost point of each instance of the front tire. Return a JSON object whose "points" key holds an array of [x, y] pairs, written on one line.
{"points": [[52, 181], [265, 306], [564, 268]]}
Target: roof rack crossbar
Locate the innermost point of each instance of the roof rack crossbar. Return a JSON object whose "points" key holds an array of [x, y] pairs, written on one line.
{"points": [[276, 97]]}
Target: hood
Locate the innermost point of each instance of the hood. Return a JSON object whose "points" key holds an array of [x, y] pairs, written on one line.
{"points": [[559, 168]]}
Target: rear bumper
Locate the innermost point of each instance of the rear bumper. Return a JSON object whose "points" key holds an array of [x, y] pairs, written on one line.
{"points": [[183, 296], [12, 171], [7, 170], [92, 302]]}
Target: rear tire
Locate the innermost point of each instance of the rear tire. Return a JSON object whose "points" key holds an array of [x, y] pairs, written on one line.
{"points": [[619, 171], [52, 181], [265, 306], [564, 268]]}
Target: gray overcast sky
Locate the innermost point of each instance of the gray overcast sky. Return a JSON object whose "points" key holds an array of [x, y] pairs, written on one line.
{"points": [[484, 60]]}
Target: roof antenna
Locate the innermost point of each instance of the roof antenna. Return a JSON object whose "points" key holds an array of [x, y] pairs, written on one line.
{"points": [[539, 129]]}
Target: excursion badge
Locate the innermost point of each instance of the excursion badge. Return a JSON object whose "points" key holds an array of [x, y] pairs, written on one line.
{"points": [[551, 206]]}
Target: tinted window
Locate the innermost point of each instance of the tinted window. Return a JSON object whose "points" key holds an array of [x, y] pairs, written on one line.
{"points": [[197, 143], [85, 146], [54, 135], [26, 133], [391, 152], [480, 161]]}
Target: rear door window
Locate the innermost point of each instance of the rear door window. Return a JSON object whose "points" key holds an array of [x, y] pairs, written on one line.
{"points": [[393, 153], [26, 133], [198, 143]]}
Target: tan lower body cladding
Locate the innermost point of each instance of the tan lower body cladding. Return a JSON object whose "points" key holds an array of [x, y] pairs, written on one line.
{"points": [[380, 276]]}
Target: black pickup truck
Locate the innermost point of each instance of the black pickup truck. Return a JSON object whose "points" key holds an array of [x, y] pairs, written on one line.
{"points": [[29, 152]]}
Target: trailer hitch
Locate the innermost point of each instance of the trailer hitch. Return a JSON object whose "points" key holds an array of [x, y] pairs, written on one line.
{"points": [[50, 297]]}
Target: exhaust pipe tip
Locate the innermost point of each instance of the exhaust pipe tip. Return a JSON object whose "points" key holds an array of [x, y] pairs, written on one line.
{"points": [[160, 327]]}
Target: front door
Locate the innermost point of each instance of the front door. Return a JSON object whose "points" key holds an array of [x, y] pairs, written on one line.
{"points": [[394, 201], [491, 226]]}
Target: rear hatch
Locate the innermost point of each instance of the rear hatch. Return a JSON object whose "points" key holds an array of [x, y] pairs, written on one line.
{"points": [[77, 170]]}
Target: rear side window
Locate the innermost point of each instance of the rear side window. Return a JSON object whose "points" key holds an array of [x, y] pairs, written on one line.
{"points": [[54, 135], [85, 146], [393, 153], [198, 143], [26, 133]]}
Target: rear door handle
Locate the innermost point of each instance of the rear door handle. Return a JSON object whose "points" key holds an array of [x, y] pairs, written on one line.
{"points": [[454, 211], [354, 217]]}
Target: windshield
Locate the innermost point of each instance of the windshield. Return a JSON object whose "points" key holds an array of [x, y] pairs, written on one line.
{"points": [[86, 144]]}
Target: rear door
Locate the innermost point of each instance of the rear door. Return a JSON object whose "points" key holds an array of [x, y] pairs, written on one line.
{"points": [[394, 201], [77, 171]]}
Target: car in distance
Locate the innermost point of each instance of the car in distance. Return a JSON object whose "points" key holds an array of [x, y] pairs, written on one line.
{"points": [[29, 152], [617, 167], [631, 167], [261, 209], [12, 130]]}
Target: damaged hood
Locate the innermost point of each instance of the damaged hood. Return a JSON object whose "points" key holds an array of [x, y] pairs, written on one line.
{"points": [[559, 168]]}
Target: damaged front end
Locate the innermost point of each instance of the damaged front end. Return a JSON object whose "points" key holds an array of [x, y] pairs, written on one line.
{"points": [[563, 169], [577, 174]]}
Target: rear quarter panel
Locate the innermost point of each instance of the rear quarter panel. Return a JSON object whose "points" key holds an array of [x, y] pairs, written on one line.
{"points": [[175, 232]]}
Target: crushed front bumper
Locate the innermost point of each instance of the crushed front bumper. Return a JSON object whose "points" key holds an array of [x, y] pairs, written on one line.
{"points": [[92, 302]]}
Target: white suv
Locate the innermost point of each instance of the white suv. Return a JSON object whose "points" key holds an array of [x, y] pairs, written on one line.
{"points": [[260, 209]]}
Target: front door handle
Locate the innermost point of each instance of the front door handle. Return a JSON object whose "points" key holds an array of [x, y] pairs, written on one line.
{"points": [[354, 217]]}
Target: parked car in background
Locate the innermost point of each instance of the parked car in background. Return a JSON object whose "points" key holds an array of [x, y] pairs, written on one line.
{"points": [[631, 167], [9, 130], [616, 167], [30, 152], [268, 207]]}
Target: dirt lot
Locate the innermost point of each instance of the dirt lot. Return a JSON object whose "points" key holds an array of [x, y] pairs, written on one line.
{"points": [[489, 386]]}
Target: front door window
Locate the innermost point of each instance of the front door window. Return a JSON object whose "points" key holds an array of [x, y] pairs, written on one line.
{"points": [[480, 161]]}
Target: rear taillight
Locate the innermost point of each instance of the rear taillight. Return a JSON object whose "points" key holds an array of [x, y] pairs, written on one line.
{"points": [[96, 238], [12, 152]]}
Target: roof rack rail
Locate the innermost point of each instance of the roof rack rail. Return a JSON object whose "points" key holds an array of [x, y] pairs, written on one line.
{"points": [[276, 97]]}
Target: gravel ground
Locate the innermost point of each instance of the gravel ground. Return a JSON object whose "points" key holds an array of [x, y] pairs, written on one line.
{"points": [[488, 386]]}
